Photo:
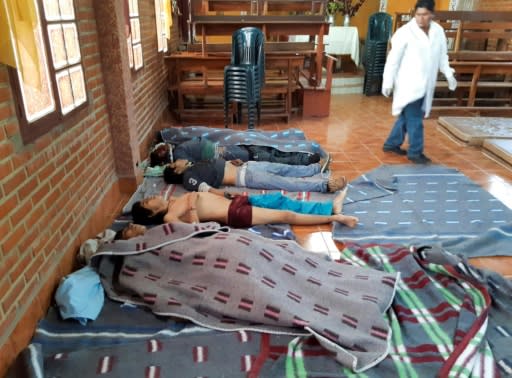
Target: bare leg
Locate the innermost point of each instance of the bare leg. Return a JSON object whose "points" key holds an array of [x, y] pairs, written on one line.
{"points": [[265, 216], [347, 220], [337, 203]]}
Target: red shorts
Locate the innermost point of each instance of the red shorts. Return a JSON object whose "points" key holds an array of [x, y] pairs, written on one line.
{"points": [[240, 212]]}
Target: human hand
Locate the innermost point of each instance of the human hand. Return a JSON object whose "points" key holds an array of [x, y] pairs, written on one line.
{"points": [[452, 83], [237, 162], [180, 165], [386, 92]]}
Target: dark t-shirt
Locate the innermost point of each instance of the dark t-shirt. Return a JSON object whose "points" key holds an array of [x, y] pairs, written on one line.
{"points": [[210, 172], [195, 150]]}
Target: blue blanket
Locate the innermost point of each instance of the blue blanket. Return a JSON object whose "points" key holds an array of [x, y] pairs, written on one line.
{"points": [[435, 205]]}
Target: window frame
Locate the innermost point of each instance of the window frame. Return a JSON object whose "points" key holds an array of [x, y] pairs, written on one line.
{"points": [[131, 44], [31, 131]]}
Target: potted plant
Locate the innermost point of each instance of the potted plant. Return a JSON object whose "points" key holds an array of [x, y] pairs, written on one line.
{"points": [[331, 9], [349, 9]]}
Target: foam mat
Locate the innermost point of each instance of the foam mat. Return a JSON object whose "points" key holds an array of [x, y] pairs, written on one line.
{"points": [[500, 147], [474, 130]]}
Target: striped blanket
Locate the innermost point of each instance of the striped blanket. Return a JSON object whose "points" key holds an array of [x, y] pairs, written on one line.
{"points": [[447, 319], [235, 280]]}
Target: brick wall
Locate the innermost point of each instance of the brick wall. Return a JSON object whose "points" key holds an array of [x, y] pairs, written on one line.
{"points": [[150, 82], [58, 191]]}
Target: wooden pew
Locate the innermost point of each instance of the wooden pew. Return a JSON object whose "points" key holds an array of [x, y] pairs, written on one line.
{"points": [[199, 77], [206, 26], [481, 57], [316, 100], [479, 75]]}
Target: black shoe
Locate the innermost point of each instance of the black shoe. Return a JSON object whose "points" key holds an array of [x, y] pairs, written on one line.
{"points": [[313, 158], [421, 159], [395, 150]]}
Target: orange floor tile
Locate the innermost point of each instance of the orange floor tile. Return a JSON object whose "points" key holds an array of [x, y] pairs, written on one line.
{"points": [[354, 133]]}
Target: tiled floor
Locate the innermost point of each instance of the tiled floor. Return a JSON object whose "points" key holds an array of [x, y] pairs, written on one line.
{"points": [[354, 133]]}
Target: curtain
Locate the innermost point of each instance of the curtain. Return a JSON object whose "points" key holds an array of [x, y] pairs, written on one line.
{"points": [[18, 19]]}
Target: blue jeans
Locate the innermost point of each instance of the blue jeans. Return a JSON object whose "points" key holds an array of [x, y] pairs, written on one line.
{"points": [[410, 121], [292, 178], [278, 201], [265, 153], [234, 151]]}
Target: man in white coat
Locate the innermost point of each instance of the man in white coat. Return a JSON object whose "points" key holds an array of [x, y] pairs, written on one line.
{"points": [[418, 52]]}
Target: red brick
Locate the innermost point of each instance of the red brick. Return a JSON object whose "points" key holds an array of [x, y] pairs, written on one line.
{"points": [[5, 168], [17, 270], [13, 239], [6, 149], [9, 299], [35, 217], [5, 94], [38, 196], [43, 142], [21, 212], [5, 111], [57, 178], [28, 188], [21, 159], [8, 205], [33, 267], [4, 77], [4, 231], [12, 184], [46, 172], [31, 235]]}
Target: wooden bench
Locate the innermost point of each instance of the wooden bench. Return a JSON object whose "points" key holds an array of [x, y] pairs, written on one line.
{"points": [[316, 100], [476, 77], [196, 84], [261, 7], [480, 53], [207, 26]]}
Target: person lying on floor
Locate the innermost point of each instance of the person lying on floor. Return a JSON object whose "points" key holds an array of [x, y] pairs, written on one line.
{"points": [[199, 149], [239, 212], [208, 176]]}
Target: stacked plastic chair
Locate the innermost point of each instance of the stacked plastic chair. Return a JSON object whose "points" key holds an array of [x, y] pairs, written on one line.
{"points": [[379, 32], [245, 76]]}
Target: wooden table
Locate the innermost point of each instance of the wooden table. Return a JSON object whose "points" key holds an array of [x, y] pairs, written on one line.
{"points": [[282, 77], [205, 26]]}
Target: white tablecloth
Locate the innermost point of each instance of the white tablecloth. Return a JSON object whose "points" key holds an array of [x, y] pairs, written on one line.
{"points": [[342, 40]]}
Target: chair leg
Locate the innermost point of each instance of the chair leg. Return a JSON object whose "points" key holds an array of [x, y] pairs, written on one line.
{"points": [[250, 115], [258, 104], [239, 113], [226, 114]]}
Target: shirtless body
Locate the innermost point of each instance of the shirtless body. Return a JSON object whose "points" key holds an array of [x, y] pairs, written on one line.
{"points": [[197, 207]]}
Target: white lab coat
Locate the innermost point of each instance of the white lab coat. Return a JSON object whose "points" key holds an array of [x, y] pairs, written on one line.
{"points": [[413, 63]]}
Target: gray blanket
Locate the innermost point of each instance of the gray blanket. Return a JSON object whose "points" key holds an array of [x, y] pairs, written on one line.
{"points": [[289, 140], [234, 280]]}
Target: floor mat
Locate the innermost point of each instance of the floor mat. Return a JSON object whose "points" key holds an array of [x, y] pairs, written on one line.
{"points": [[500, 147], [432, 205], [474, 130]]}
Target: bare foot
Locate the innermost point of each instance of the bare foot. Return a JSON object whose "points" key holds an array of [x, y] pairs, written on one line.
{"points": [[336, 183], [337, 203], [347, 220]]}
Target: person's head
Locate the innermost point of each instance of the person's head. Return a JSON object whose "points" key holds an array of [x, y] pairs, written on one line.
{"points": [[130, 231], [424, 12], [171, 177], [160, 155], [150, 210]]}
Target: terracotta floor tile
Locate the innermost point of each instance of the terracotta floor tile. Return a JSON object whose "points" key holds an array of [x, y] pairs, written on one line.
{"points": [[354, 133]]}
